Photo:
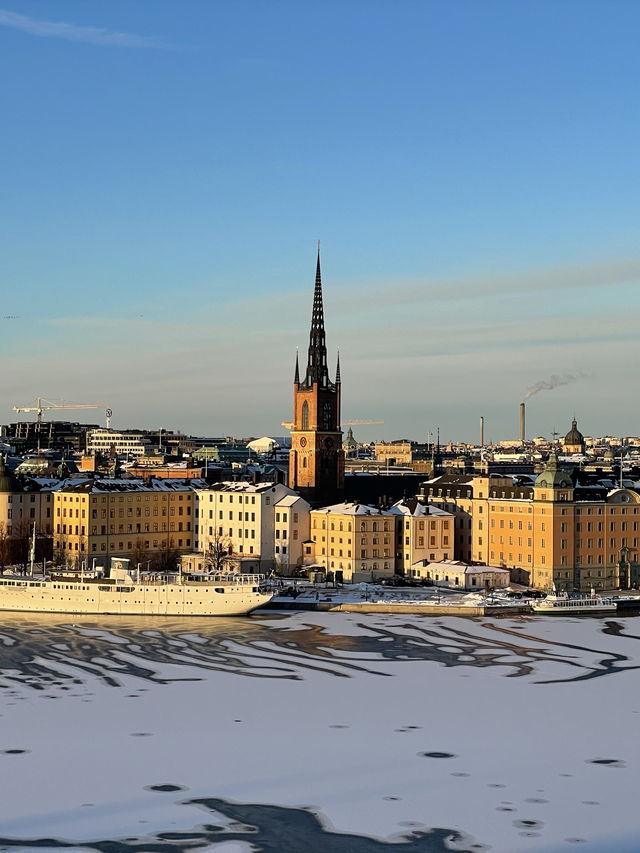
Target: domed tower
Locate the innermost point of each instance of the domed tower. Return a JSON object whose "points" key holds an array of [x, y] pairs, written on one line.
{"points": [[553, 483], [316, 459], [573, 440]]}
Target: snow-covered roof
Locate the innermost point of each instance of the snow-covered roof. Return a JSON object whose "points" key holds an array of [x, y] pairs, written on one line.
{"points": [[241, 486], [417, 509], [107, 486], [352, 509], [289, 500]]}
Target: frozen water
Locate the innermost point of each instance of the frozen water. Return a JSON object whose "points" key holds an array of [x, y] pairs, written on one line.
{"points": [[319, 733]]}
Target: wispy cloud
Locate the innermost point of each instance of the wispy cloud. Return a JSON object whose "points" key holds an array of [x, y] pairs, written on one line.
{"points": [[605, 273], [73, 32]]}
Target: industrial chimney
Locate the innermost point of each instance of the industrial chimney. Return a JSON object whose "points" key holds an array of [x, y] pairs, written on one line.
{"points": [[481, 431], [521, 423]]}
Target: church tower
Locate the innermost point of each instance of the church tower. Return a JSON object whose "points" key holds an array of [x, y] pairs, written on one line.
{"points": [[316, 460]]}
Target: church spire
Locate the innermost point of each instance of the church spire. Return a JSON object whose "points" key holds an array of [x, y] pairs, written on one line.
{"points": [[296, 378], [338, 370], [317, 362]]}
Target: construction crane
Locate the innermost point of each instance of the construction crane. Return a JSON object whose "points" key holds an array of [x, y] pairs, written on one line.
{"points": [[43, 405], [289, 424]]}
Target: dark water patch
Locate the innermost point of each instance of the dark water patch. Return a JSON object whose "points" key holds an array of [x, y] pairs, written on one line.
{"points": [[437, 755], [338, 726], [495, 785], [15, 751], [528, 824], [576, 840], [460, 774], [165, 788], [266, 829], [606, 762], [590, 803], [141, 734], [505, 809], [538, 800]]}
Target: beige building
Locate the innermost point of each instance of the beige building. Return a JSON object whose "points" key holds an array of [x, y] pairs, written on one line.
{"points": [[149, 520], [423, 532], [291, 528], [354, 539], [394, 452], [249, 519]]}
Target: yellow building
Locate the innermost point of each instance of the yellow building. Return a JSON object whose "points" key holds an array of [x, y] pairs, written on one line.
{"points": [[394, 452], [551, 531], [423, 532], [355, 539], [24, 503], [144, 521], [453, 493]]}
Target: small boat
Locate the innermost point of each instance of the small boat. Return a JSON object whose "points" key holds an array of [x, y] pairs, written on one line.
{"points": [[562, 605]]}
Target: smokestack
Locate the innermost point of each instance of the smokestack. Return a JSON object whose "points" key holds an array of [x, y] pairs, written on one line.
{"points": [[521, 423], [481, 431]]}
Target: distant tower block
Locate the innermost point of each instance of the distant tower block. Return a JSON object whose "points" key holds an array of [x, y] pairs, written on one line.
{"points": [[522, 423], [481, 431]]}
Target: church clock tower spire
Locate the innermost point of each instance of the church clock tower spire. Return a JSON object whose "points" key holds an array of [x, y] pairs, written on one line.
{"points": [[316, 460]]}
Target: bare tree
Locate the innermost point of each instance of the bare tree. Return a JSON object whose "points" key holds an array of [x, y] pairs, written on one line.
{"points": [[5, 548], [140, 553], [220, 549], [166, 558]]}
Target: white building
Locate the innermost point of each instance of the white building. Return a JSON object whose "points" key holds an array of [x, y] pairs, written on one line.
{"points": [[458, 575], [127, 444], [241, 518], [291, 529]]}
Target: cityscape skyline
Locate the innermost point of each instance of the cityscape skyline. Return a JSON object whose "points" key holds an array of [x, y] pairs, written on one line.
{"points": [[470, 171]]}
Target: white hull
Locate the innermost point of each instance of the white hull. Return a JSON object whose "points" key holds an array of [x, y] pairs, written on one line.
{"points": [[552, 606], [186, 599]]}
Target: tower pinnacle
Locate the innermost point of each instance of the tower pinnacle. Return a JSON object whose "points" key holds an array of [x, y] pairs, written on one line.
{"points": [[317, 361]]}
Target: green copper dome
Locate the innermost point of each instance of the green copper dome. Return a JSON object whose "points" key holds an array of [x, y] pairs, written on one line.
{"points": [[553, 477]]}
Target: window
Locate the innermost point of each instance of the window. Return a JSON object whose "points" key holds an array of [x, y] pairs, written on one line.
{"points": [[305, 415]]}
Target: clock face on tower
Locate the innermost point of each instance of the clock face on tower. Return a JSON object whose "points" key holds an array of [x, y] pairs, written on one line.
{"points": [[328, 443], [303, 442]]}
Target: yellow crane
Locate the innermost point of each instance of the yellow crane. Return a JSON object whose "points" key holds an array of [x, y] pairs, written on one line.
{"points": [[43, 405]]}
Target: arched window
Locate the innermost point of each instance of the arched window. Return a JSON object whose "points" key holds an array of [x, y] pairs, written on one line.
{"points": [[363, 526], [374, 526], [333, 527], [304, 461], [305, 415]]}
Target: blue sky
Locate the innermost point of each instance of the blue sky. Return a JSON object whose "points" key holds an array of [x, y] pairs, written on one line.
{"points": [[470, 168]]}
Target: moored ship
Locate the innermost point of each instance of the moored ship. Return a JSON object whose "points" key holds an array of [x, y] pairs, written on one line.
{"points": [[562, 605], [133, 594]]}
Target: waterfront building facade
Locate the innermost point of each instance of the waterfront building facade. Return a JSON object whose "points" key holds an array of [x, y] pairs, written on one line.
{"points": [[144, 521], [240, 518], [354, 541], [423, 532]]}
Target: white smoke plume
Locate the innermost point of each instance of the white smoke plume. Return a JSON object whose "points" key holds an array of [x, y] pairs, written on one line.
{"points": [[553, 382]]}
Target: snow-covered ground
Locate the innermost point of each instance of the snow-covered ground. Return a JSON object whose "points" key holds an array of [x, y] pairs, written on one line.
{"points": [[320, 732]]}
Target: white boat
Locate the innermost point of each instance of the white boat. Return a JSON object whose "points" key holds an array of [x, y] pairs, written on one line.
{"points": [[562, 605], [152, 594]]}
